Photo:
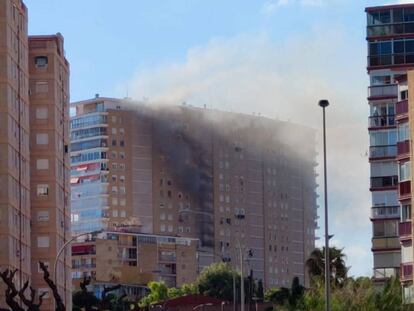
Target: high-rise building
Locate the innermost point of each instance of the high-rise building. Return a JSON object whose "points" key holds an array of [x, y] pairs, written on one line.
{"points": [[34, 205], [390, 36], [49, 159], [229, 180]]}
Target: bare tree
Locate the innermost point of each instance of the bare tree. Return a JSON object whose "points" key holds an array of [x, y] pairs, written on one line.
{"points": [[60, 306]]}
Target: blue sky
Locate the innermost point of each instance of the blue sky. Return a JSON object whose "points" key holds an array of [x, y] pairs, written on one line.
{"points": [[276, 57]]}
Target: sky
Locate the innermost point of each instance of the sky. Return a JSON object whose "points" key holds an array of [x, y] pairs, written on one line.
{"points": [[273, 57]]}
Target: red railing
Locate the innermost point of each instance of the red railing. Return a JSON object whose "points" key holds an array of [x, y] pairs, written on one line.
{"points": [[403, 147], [402, 107], [404, 228], [404, 188], [406, 271]]}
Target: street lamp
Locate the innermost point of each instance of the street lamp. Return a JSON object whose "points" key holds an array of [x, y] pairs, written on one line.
{"points": [[324, 103], [65, 245]]}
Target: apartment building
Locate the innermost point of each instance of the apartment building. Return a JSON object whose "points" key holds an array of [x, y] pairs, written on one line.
{"points": [[49, 160], [34, 159], [390, 37], [231, 181], [133, 260]]}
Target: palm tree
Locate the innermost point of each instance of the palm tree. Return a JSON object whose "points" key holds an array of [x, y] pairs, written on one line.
{"points": [[316, 264]]}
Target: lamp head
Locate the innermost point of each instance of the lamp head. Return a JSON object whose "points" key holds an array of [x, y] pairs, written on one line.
{"points": [[324, 103]]}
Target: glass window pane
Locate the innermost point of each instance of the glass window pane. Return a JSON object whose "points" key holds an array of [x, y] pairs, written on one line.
{"points": [[385, 17], [408, 15], [409, 46], [397, 15], [373, 49], [399, 46], [386, 47], [409, 28]]}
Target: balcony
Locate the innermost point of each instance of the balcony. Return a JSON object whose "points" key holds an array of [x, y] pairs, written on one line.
{"points": [[383, 182], [406, 271], [385, 243], [381, 121], [377, 92], [384, 212], [380, 152], [404, 229], [404, 190], [385, 273], [401, 109], [403, 148], [382, 60]]}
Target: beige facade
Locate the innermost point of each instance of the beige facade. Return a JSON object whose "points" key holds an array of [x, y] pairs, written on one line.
{"points": [[133, 260], [226, 179], [49, 159], [14, 142], [34, 216]]}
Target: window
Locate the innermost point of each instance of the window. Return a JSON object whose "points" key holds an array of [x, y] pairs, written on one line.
{"points": [[122, 155], [74, 217], [122, 190], [40, 62], [406, 212], [115, 213], [115, 201], [42, 190], [113, 142], [114, 166], [123, 214], [113, 119], [114, 189], [42, 241], [122, 178], [42, 139], [113, 130], [162, 228], [114, 178], [405, 171], [122, 166], [162, 216], [121, 131], [122, 143], [170, 228], [43, 216], [41, 113], [380, 80], [113, 154], [403, 131], [42, 164], [122, 202]]}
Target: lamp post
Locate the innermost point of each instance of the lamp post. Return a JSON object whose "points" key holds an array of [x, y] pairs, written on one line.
{"points": [[324, 103], [65, 245]]}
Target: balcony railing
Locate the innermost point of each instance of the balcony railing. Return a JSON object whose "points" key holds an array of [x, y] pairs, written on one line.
{"points": [[404, 188], [385, 243], [390, 59], [384, 182], [406, 271], [381, 121], [401, 107], [404, 229], [378, 91], [384, 273], [403, 147], [385, 212], [386, 151]]}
